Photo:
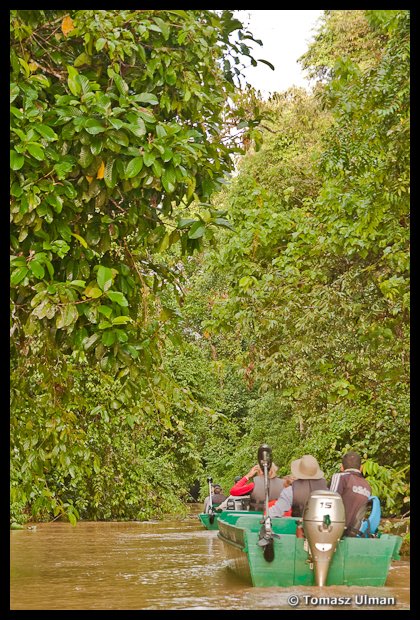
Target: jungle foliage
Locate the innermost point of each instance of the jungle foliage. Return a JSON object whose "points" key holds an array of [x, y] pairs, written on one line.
{"points": [[120, 121], [166, 319], [317, 271]]}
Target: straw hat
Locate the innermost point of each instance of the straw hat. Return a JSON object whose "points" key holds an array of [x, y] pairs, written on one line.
{"points": [[306, 468]]}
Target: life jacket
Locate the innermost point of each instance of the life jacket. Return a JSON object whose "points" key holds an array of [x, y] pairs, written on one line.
{"points": [[275, 487], [369, 526], [301, 491], [217, 498]]}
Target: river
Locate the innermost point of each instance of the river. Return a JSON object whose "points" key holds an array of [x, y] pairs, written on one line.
{"points": [[170, 564]]}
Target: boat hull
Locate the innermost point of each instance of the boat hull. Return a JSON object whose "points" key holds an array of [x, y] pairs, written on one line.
{"points": [[205, 517], [205, 520], [356, 562]]}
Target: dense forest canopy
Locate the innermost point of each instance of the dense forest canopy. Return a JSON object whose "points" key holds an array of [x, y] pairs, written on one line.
{"points": [[166, 317]]}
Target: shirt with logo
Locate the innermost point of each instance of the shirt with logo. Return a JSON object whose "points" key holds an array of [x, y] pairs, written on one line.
{"points": [[355, 491]]}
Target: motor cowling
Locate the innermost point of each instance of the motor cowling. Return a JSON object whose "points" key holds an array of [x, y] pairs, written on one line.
{"points": [[323, 523]]}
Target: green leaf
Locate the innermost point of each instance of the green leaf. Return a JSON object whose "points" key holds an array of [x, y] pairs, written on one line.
{"points": [[80, 239], [63, 168], [110, 175], [36, 151], [121, 320], [92, 291], [18, 275], [104, 277], [14, 92], [147, 98], [157, 168], [161, 132], [37, 269], [82, 59], [117, 297], [149, 158], [94, 126], [104, 324], [186, 222], [96, 145], [163, 27], [133, 167], [197, 230], [100, 43], [147, 116], [105, 310], [121, 84], [67, 316], [46, 132], [222, 222], [96, 464], [56, 202], [169, 179], [108, 338], [116, 122], [72, 81], [16, 160], [120, 137]]}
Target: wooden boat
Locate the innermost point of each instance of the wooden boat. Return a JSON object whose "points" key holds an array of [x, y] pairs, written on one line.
{"points": [[356, 561]]}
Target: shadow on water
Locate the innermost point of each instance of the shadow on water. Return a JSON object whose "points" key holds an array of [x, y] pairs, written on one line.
{"points": [[154, 565]]}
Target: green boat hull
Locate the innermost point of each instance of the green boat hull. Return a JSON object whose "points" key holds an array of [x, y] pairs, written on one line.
{"points": [[356, 562], [205, 518]]}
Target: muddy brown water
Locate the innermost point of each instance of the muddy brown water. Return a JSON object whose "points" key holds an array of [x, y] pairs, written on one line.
{"points": [[171, 564]]}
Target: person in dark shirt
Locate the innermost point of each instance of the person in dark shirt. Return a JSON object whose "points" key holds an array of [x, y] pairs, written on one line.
{"points": [[354, 490], [217, 497]]}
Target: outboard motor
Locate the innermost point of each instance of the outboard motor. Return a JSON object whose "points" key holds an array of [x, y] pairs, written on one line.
{"points": [[323, 523]]}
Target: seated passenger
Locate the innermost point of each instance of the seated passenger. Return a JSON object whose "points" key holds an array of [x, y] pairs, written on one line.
{"points": [[308, 477], [354, 489], [256, 487], [217, 497]]}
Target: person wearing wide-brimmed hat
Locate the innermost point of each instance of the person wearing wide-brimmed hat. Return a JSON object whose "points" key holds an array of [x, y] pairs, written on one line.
{"points": [[308, 477]]}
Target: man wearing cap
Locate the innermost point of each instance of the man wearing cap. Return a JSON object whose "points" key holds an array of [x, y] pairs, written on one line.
{"points": [[217, 497], [308, 477], [354, 490]]}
